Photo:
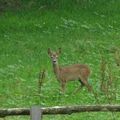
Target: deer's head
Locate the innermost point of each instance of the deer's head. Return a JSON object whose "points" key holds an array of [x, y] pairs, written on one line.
{"points": [[54, 55]]}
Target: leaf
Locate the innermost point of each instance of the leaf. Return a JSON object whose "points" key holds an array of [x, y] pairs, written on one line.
{"points": [[85, 26]]}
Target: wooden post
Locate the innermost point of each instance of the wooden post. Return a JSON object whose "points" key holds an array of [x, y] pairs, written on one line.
{"points": [[36, 113]]}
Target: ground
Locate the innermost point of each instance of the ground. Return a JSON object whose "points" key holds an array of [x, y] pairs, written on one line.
{"points": [[88, 33]]}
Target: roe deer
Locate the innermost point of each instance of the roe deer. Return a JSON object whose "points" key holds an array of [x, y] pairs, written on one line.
{"points": [[79, 72]]}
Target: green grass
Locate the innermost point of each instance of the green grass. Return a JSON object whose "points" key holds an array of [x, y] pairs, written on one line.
{"points": [[85, 32]]}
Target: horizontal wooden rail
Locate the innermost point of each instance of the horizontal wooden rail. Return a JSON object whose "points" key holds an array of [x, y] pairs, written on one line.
{"points": [[61, 110]]}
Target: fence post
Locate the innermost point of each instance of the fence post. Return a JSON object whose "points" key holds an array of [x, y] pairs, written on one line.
{"points": [[36, 113]]}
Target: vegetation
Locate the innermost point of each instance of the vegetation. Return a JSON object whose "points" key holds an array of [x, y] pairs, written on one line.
{"points": [[88, 31]]}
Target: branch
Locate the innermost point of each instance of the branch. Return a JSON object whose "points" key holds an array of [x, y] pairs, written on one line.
{"points": [[62, 110]]}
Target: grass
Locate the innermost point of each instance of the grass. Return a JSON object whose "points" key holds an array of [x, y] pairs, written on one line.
{"points": [[85, 32]]}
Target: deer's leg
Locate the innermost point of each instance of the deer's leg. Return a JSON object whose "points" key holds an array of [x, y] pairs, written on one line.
{"points": [[85, 82], [63, 85], [82, 84], [80, 87]]}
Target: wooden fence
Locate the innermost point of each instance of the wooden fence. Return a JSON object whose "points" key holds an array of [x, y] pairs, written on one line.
{"points": [[36, 112]]}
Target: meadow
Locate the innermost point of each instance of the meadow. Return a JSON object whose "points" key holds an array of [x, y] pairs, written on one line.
{"points": [[88, 32]]}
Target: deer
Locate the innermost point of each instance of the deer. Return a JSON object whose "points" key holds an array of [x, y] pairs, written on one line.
{"points": [[80, 72]]}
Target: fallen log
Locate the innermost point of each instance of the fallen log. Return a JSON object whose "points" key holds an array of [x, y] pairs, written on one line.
{"points": [[61, 110]]}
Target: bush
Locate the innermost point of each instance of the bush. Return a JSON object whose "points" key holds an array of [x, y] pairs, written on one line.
{"points": [[12, 4]]}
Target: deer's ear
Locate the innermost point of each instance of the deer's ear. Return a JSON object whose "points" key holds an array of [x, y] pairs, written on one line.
{"points": [[49, 51], [59, 51]]}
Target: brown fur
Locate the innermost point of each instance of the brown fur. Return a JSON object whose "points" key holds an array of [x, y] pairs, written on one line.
{"points": [[79, 72]]}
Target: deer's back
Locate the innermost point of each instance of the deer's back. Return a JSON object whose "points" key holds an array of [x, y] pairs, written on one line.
{"points": [[74, 71]]}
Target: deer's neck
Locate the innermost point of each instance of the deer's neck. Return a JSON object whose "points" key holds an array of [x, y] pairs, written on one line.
{"points": [[56, 69]]}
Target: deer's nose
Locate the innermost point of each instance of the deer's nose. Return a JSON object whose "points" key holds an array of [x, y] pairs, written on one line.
{"points": [[54, 60]]}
